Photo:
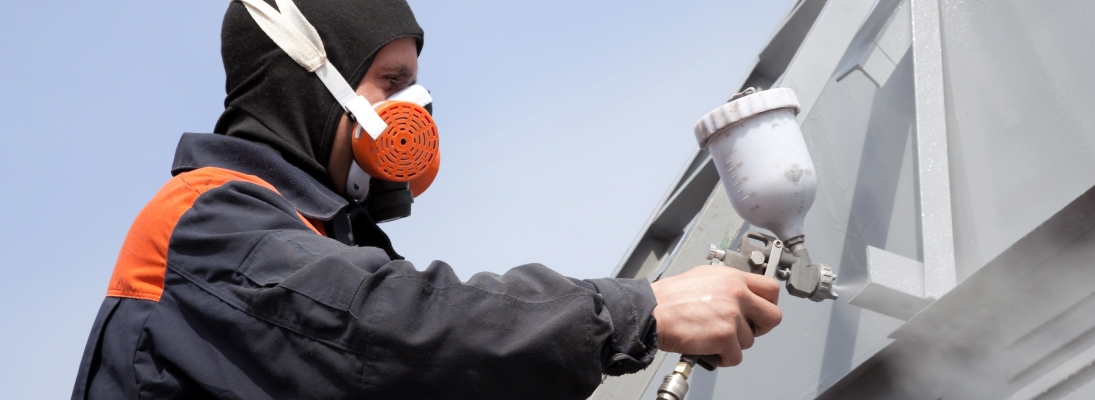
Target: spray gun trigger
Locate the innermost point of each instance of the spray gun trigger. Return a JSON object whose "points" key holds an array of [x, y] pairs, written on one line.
{"points": [[773, 259]]}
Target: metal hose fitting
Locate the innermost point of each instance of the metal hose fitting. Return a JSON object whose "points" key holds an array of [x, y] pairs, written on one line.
{"points": [[675, 385]]}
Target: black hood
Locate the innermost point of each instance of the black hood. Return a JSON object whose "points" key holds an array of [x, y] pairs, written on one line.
{"points": [[275, 102]]}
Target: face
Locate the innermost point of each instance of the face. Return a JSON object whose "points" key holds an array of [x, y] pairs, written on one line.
{"points": [[394, 68]]}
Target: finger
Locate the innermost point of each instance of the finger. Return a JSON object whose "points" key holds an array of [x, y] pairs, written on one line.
{"points": [[762, 313], [753, 328], [763, 286], [731, 355], [745, 334], [763, 331]]}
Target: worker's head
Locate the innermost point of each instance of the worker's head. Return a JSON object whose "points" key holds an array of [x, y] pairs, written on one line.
{"points": [[273, 100]]}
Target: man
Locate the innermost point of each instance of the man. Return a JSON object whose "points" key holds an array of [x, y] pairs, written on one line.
{"points": [[250, 276]]}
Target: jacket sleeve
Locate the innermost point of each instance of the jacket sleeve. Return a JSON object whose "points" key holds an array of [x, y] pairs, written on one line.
{"points": [[259, 305]]}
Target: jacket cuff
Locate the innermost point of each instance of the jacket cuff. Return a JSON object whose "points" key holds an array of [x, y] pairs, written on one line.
{"points": [[634, 340]]}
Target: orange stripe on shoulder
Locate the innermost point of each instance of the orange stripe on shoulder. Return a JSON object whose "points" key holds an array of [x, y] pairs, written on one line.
{"points": [[142, 263]]}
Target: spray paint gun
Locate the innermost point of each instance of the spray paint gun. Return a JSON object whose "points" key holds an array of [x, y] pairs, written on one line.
{"points": [[767, 172]]}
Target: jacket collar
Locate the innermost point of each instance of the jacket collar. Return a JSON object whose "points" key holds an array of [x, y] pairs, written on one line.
{"points": [[310, 197]]}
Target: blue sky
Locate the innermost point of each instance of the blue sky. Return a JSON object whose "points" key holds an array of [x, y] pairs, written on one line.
{"points": [[562, 124]]}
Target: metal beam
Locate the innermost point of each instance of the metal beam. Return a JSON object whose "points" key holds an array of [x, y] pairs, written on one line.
{"points": [[820, 53], [894, 287], [931, 150]]}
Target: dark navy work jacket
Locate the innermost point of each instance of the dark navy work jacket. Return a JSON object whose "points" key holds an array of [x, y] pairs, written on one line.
{"points": [[228, 286]]}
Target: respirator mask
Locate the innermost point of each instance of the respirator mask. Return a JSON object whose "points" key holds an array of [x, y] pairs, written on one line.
{"points": [[388, 172], [395, 142]]}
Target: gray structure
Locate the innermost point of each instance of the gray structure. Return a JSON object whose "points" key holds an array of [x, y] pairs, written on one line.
{"points": [[955, 147]]}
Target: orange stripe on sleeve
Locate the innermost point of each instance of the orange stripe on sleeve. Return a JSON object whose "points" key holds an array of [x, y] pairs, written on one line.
{"points": [[142, 263]]}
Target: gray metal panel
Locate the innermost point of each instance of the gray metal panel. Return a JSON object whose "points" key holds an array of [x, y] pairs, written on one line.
{"points": [[1020, 90]]}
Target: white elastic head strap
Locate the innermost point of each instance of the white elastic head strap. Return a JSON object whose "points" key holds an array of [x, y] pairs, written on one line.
{"points": [[415, 94], [299, 39]]}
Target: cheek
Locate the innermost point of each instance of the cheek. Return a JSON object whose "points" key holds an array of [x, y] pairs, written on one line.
{"points": [[372, 90], [343, 146]]}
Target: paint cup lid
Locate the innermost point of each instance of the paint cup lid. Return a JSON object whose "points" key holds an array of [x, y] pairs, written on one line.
{"points": [[742, 108]]}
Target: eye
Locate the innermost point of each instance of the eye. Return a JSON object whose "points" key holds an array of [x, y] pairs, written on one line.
{"points": [[393, 81]]}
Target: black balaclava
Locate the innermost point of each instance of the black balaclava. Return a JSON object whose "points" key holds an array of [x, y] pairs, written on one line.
{"points": [[275, 102]]}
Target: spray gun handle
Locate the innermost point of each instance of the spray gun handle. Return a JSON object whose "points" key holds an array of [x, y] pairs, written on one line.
{"points": [[753, 263], [709, 362], [771, 260]]}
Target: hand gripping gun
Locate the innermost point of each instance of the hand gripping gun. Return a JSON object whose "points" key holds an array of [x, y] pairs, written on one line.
{"points": [[767, 172]]}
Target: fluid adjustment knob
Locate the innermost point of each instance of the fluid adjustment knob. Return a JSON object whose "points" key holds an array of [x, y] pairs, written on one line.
{"points": [[715, 253]]}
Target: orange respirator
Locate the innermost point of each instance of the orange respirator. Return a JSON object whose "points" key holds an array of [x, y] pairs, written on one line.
{"points": [[399, 163], [407, 151]]}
